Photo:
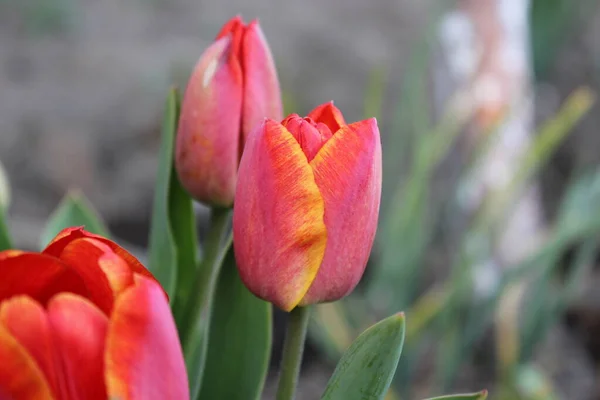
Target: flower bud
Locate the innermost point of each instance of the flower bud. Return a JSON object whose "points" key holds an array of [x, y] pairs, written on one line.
{"points": [[233, 87], [306, 208], [84, 319]]}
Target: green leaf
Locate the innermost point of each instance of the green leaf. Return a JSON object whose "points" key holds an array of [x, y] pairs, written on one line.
{"points": [[194, 322], [471, 396], [367, 368], [5, 240], [183, 223], [239, 343], [73, 210], [172, 243]]}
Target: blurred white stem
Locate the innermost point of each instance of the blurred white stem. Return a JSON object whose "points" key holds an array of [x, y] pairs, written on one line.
{"points": [[486, 47]]}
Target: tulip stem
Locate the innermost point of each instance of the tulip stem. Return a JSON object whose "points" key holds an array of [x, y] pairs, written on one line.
{"points": [[293, 348], [199, 302]]}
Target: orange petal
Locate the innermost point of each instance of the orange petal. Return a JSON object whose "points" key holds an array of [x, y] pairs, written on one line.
{"points": [[26, 321], [144, 360], [348, 173], [67, 235], [100, 255], [278, 229], [262, 95], [20, 377], [329, 115], [79, 329], [37, 275], [84, 256]]}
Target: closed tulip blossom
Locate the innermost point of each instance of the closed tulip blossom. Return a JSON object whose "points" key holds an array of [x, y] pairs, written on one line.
{"points": [[84, 319], [306, 207], [233, 87]]}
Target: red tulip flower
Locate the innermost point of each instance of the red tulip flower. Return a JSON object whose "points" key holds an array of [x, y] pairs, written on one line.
{"points": [[233, 87], [84, 319], [306, 207]]}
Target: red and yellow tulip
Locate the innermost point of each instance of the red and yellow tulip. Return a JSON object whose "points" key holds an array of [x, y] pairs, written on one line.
{"points": [[233, 87], [306, 207], [84, 319]]}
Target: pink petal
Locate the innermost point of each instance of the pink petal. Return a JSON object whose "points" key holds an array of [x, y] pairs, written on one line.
{"points": [[207, 145], [278, 229], [79, 329], [144, 360], [307, 133], [262, 95], [348, 173]]}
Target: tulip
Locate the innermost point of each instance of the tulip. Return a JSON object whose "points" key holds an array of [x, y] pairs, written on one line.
{"points": [[233, 87], [306, 208], [84, 319]]}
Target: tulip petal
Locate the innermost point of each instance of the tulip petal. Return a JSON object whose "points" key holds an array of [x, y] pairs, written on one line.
{"points": [[143, 357], [90, 254], [37, 275], [234, 28], [230, 26], [308, 134], [348, 173], [20, 377], [278, 229], [84, 257], [262, 95], [329, 115], [79, 329], [67, 235], [26, 321], [207, 143]]}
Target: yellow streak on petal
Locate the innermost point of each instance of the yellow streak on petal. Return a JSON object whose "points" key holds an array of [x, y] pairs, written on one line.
{"points": [[307, 229]]}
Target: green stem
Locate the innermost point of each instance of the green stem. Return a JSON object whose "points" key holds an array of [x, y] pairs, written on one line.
{"points": [[206, 277], [293, 347], [5, 241]]}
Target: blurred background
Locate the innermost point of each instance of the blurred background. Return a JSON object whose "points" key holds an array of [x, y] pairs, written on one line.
{"points": [[490, 222]]}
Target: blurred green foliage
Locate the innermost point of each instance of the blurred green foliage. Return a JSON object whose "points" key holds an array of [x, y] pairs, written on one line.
{"points": [[550, 20], [43, 17], [450, 317], [73, 210], [553, 23]]}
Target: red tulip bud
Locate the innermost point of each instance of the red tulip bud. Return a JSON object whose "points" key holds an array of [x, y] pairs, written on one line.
{"points": [[233, 87], [306, 208]]}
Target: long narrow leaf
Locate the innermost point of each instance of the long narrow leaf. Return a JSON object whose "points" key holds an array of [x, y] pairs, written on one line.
{"points": [[239, 340], [5, 239], [471, 396], [168, 198]]}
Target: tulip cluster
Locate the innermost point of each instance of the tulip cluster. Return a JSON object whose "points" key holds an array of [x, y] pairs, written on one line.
{"points": [[308, 189], [84, 319]]}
